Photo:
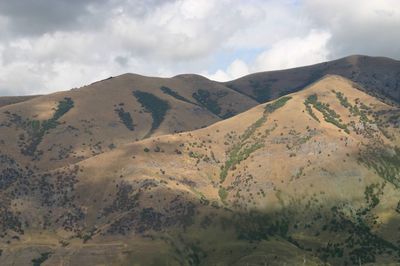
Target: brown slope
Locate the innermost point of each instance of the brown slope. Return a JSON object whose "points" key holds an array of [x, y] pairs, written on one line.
{"points": [[319, 179], [378, 76], [7, 100], [107, 114], [93, 122]]}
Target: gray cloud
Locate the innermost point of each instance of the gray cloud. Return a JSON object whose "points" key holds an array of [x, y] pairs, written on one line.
{"points": [[358, 26], [40, 16], [48, 45]]}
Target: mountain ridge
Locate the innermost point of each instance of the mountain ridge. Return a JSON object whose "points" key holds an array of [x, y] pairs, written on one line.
{"points": [[200, 174], [378, 76], [114, 110], [171, 192]]}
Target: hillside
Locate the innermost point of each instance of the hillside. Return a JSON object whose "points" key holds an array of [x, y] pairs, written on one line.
{"points": [[261, 187], [378, 76], [66, 127], [7, 100], [58, 129]]}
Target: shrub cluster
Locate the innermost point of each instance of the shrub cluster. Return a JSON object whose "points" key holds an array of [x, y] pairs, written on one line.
{"points": [[156, 106]]}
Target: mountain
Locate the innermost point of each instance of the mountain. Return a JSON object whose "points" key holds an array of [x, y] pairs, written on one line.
{"points": [[50, 131], [7, 100], [378, 76], [55, 130], [310, 178]]}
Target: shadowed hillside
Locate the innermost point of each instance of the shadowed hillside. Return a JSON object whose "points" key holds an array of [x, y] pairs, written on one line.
{"points": [[378, 76]]}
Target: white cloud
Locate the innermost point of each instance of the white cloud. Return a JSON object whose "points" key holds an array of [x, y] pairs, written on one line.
{"points": [[194, 9], [358, 26], [294, 52], [160, 37], [236, 69], [284, 54]]}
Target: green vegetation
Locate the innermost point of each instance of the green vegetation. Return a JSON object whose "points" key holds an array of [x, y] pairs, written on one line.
{"points": [[372, 194], [204, 98], [385, 162], [125, 118], [229, 113], [310, 112], [63, 107], [223, 194], [174, 94], [37, 129], [203, 199], [251, 129], [237, 154], [330, 115], [242, 150], [271, 107], [195, 155], [256, 226], [358, 242], [156, 106], [43, 257], [354, 110], [342, 99]]}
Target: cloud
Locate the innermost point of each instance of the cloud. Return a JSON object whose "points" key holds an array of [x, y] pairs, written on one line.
{"points": [[236, 69], [48, 45], [358, 27], [283, 54], [41, 16], [165, 38], [294, 52]]}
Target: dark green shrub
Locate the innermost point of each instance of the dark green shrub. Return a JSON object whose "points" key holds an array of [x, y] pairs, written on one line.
{"points": [[37, 129], [43, 257], [223, 194], [310, 112], [271, 107], [385, 163], [63, 107], [125, 118], [330, 115], [156, 106], [203, 97], [174, 94]]}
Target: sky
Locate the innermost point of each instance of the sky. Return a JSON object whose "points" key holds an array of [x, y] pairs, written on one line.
{"points": [[53, 45]]}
